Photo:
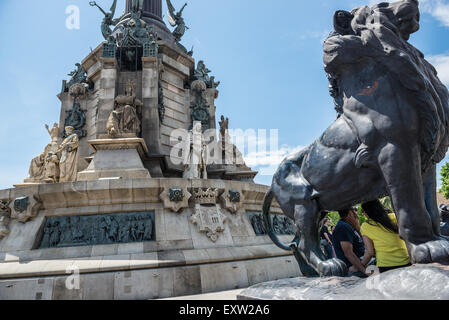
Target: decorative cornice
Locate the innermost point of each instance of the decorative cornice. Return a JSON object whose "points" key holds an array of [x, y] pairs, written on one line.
{"points": [[206, 196], [120, 144]]}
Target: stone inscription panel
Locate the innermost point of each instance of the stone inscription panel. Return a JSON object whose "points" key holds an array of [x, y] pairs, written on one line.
{"points": [[98, 229], [282, 225]]}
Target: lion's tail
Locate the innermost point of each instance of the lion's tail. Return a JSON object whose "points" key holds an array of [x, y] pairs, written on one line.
{"points": [[267, 221]]}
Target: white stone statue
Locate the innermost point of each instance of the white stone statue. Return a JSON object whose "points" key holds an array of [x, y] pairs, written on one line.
{"points": [[44, 167], [124, 119], [5, 215], [51, 167], [230, 152], [195, 167], [54, 132], [69, 156], [36, 170]]}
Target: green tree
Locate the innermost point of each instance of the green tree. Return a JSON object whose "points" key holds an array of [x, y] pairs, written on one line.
{"points": [[333, 217], [362, 217], [445, 180], [386, 202]]}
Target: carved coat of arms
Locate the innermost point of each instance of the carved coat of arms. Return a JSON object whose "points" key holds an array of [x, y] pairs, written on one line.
{"points": [[209, 219]]}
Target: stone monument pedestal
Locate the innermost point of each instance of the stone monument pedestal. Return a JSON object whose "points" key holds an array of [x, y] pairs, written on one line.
{"points": [[27, 184], [157, 243], [119, 158]]}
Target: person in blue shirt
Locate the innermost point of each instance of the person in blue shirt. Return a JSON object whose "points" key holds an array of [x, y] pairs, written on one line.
{"points": [[348, 242]]}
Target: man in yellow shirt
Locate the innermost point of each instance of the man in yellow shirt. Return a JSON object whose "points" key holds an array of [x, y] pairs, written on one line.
{"points": [[381, 238]]}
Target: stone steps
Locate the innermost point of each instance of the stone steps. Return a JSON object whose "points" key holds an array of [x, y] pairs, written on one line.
{"points": [[14, 267]]}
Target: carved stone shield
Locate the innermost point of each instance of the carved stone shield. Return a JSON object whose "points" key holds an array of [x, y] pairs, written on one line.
{"points": [[176, 194], [210, 220], [21, 204]]}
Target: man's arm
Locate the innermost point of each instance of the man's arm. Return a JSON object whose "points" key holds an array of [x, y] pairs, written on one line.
{"points": [[350, 255], [326, 235]]}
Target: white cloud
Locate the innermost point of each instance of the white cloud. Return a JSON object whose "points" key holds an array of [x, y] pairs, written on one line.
{"points": [[268, 162], [439, 9], [441, 63]]}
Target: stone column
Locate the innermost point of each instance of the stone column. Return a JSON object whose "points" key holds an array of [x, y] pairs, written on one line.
{"points": [[153, 6], [152, 14], [150, 8], [150, 113], [107, 93]]}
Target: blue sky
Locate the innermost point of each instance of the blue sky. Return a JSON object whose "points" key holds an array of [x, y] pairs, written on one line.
{"points": [[267, 55]]}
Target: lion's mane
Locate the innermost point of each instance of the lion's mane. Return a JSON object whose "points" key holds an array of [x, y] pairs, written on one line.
{"points": [[376, 34]]}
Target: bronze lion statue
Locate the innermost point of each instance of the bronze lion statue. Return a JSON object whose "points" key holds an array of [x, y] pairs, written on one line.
{"points": [[391, 131]]}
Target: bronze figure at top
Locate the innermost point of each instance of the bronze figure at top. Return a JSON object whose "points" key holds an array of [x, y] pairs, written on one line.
{"points": [[176, 20], [108, 20]]}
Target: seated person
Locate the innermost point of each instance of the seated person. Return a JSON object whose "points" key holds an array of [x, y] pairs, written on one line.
{"points": [[326, 241], [444, 213], [348, 242], [380, 235]]}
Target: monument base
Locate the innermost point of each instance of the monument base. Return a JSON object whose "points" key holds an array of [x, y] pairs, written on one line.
{"points": [[109, 242], [419, 282], [116, 158]]}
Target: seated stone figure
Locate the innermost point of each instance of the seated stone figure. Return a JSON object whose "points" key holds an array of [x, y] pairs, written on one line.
{"points": [[44, 167], [124, 119], [36, 170], [51, 168]]}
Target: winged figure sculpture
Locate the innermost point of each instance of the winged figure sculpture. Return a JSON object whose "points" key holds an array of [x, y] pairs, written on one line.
{"points": [[176, 20]]}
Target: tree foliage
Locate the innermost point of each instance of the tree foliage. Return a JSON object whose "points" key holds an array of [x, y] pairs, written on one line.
{"points": [[334, 217], [445, 180], [386, 202]]}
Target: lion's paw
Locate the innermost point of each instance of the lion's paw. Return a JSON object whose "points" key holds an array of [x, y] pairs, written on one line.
{"points": [[431, 252], [332, 267]]}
